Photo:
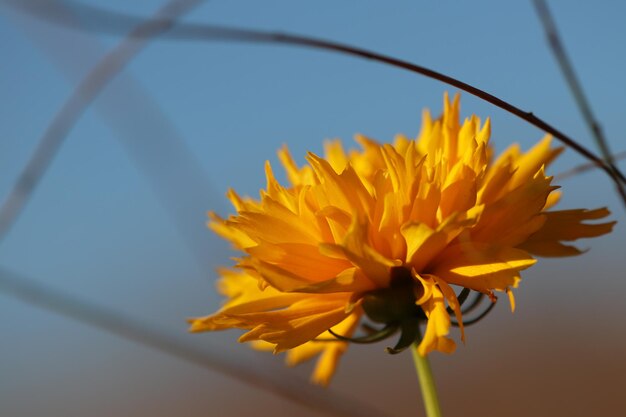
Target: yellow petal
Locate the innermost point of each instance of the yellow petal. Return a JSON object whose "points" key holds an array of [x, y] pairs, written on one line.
{"points": [[424, 243], [516, 215], [437, 327], [335, 155], [566, 225], [327, 363], [529, 163], [297, 176], [237, 237], [453, 302], [245, 296], [301, 259], [509, 292], [482, 267], [298, 324]]}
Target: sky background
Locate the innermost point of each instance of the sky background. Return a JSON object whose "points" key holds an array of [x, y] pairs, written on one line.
{"points": [[119, 218]]}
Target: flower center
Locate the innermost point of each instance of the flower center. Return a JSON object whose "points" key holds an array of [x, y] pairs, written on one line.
{"points": [[395, 304]]}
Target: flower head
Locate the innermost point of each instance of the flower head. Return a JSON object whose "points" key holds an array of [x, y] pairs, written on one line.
{"points": [[383, 233]]}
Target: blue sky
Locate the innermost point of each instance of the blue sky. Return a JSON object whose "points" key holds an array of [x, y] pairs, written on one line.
{"points": [[97, 227]]}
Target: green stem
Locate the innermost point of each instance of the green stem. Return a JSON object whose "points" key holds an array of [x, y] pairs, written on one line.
{"points": [[427, 384]]}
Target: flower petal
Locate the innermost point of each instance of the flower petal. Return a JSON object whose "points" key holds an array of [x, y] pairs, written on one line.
{"points": [[566, 225], [482, 267], [437, 327]]}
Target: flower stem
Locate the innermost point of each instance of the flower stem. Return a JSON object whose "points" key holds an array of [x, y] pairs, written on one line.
{"points": [[427, 384]]}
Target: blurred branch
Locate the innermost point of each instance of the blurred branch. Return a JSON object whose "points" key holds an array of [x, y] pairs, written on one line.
{"points": [[570, 76], [111, 22], [586, 167], [74, 107], [155, 147], [295, 390], [575, 87]]}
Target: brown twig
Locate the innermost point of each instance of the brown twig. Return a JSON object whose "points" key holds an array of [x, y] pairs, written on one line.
{"points": [[110, 21]]}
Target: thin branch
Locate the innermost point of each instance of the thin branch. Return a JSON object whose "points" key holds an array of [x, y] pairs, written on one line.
{"points": [[299, 392], [567, 68], [586, 167], [475, 320], [110, 21]]}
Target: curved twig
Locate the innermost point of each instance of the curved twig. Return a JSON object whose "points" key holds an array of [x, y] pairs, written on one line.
{"points": [[382, 334], [476, 319], [222, 33]]}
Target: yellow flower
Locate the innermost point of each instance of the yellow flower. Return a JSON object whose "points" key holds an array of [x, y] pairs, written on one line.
{"points": [[383, 233]]}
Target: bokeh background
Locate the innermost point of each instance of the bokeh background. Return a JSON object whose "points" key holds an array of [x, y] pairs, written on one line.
{"points": [[119, 218]]}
